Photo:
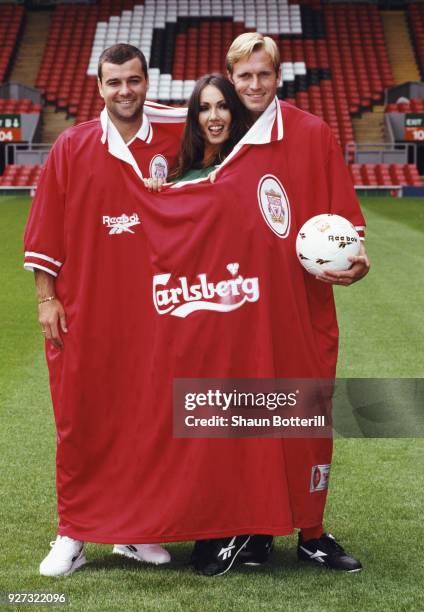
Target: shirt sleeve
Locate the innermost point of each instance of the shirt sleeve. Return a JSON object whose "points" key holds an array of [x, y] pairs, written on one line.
{"points": [[343, 200], [44, 234]]}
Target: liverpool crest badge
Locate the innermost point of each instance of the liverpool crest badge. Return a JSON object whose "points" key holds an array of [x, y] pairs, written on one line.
{"points": [[274, 205], [158, 167]]}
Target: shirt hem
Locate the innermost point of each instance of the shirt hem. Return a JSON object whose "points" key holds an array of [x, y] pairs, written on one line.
{"points": [[174, 537]]}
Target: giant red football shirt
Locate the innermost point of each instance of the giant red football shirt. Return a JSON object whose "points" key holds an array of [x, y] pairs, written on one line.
{"points": [[234, 302], [122, 477]]}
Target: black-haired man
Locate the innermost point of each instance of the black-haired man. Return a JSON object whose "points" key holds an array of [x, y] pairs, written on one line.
{"points": [[84, 241]]}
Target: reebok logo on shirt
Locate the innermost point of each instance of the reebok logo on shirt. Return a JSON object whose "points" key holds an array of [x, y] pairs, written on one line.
{"points": [[121, 224]]}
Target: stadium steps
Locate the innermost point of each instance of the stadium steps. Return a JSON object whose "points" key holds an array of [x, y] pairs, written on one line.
{"points": [[31, 47], [370, 126], [54, 122], [399, 47]]}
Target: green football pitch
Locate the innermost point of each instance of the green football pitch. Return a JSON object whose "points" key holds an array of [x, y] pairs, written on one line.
{"points": [[376, 496]]}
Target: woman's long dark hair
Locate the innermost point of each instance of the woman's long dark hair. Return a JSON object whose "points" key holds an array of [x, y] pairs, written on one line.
{"points": [[193, 143]]}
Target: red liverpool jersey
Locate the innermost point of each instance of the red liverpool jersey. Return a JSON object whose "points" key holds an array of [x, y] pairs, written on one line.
{"points": [[134, 327], [234, 302]]}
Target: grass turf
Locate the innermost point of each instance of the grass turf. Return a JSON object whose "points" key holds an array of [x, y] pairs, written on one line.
{"points": [[375, 505]]}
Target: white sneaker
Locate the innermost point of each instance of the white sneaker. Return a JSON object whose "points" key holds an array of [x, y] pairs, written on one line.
{"points": [[65, 557], [150, 553]]}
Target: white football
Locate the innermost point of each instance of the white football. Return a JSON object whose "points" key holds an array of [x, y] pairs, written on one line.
{"points": [[325, 242]]}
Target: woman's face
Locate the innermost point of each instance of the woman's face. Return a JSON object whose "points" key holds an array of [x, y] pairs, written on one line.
{"points": [[214, 116]]}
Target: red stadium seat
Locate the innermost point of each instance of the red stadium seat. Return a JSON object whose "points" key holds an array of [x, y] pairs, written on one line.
{"points": [[415, 14], [20, 175], [384, 175], [11, 17]]}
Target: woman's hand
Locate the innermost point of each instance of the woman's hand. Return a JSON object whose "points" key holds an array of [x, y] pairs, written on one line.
{"points": [[154, 184], [212, 176]]}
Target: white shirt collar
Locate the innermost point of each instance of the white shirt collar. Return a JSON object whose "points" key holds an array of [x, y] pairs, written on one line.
{"points": [[262, 130], [145, 132], [160, 113], [260, 133], [116, 145]]}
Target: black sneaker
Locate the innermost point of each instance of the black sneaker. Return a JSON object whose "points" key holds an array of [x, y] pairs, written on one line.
{"points": [[327, 552], [200, 551], [216, 557], [257, 550]]}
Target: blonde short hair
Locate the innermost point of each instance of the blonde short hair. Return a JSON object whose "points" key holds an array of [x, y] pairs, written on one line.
{"points": [[246, 43]]}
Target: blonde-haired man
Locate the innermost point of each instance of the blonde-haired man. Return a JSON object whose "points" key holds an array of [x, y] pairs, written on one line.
{"points": [[253, 66], [315, 180]]}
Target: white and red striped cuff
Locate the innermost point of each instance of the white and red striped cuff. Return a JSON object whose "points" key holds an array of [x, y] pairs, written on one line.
{"points": [[361, 231], [40, 261]]}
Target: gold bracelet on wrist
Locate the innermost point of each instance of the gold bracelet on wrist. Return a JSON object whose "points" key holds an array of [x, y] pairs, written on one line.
{"points": [[47, 299]]}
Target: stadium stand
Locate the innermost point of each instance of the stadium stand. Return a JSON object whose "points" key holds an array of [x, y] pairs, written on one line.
{"points": [[19, 106], [183, 39], [415, 105], [20, 176], [11, 17], [416, 27], [357, 53], [66, 55], [385, 175], [399, 45], [334, 59]]}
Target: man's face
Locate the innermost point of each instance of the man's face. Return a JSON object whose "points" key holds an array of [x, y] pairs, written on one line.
{"points": [[123, 88], [255, 81]]}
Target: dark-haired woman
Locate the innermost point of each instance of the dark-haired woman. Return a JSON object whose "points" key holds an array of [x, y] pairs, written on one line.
{"points": [[216, 121]]}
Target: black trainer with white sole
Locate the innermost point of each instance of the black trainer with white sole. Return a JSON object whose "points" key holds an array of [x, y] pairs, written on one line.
{"points": [[200, 551], [327, 552], [257, 550], [216, 557]]}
